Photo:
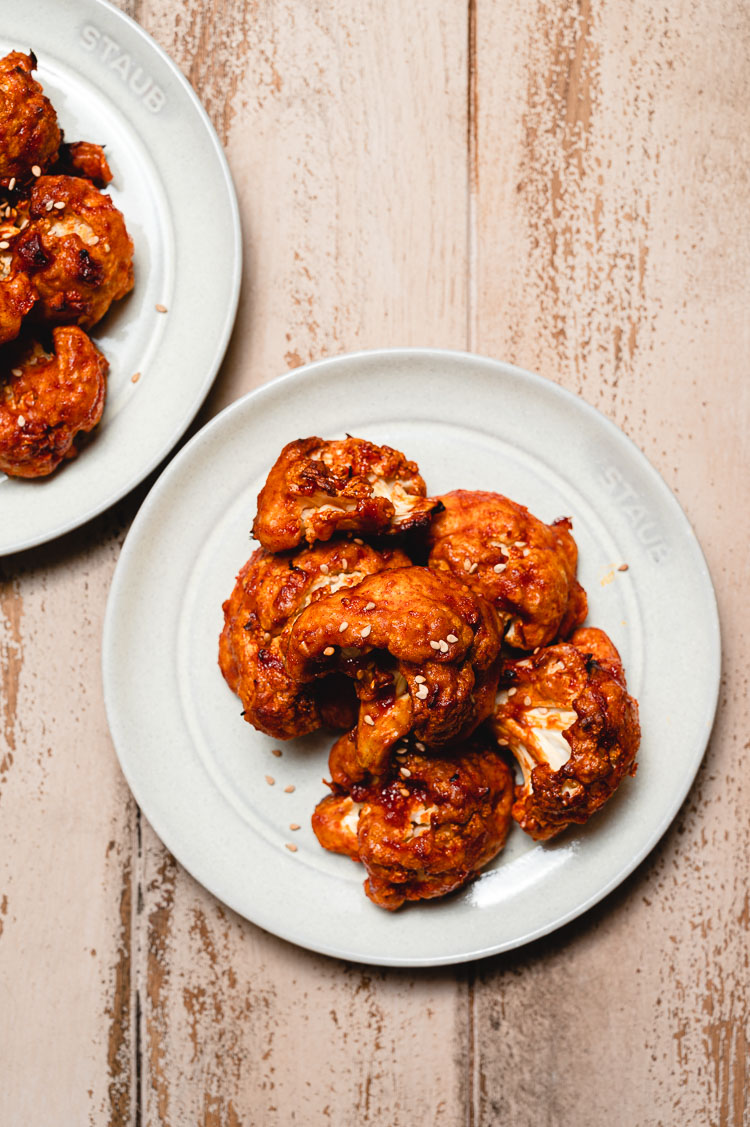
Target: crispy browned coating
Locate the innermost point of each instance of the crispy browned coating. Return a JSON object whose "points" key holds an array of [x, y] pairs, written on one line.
{"points": [[316, 488], [566, 715], [84, 158], [47, 400], [29, 133], [269, 593], [422, 647], [426, 829], [76, 250], [525, 568]]}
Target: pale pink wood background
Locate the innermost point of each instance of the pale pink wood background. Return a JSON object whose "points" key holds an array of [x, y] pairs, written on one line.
{"points": [[562, 185]]}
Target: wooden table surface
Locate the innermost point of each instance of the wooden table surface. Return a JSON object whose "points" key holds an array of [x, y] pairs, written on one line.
{"points": [[561, 185]]}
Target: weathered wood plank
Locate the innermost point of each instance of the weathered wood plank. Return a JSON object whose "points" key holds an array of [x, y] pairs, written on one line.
{"points": [[612, 255], [345, 129], [65, 845]]}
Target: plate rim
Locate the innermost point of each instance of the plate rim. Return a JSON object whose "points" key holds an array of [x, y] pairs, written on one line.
{"points": [[23, 543], [711, 646]]}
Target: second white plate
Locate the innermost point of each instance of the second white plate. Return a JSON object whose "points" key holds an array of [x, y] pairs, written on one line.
{"points": [[198, 770], [111, 83]]}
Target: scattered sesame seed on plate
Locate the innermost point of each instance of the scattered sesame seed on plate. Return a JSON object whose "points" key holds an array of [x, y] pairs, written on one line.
{"points": [[276, 751], [623, 567], [294, 825], [135, 377], [290, 789], [158, 307], [292, 848], [270, 780]]}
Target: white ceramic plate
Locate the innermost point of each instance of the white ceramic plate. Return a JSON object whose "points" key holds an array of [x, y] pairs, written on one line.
{"points": [[110, 83], [197, 769]]}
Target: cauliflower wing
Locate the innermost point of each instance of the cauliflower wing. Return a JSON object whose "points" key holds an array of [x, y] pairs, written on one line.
{"points": [[525, 568], [316, 488], [76, 249], [566, 716], [423, 650], [426, 829], [270, 592], [29, 133], [46, 400]]}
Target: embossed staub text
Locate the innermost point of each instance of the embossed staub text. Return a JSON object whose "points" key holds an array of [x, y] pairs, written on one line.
{"points": [[630, 504], [133, 75]]}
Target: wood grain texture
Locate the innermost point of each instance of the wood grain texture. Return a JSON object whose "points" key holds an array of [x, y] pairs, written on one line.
{"points": [[612, 255], [345, 127], [562, 185]]}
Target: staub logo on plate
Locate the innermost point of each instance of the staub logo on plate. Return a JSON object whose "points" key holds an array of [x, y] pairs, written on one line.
{"points": [[629, 503], [133, 76]]}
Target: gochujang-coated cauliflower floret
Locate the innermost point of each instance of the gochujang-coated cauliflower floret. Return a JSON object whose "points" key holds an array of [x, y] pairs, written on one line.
{"points": [[316, 488], [525, 568], [422, 648], [566, 716], [270, 592], [46, 400], [29, 133], [426, 829], [76, 249]]}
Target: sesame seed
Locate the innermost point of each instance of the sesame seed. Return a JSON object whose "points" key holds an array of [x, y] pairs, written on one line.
{"points": [[467, 565], [420, 679], [519, 544], [369, 720], [329, 650], [419, 746], [512, 692], [21, 421], [59, 205], [527, 701], [11, 183], [473, 568], [294, 825], [443, 647], [277, 752], [623, 567], [344, 565], [4, 244], [270, 780], [364, 633], [290, 847], [135, 377], [526, 551], [405, 772], [48, 206], [158, 307], [36, 170], [536, 651], [499, 567], [451, 638], [94, 240], [358, 541], [106, 247], [403, 792], [324, 569], [370, 606], [16, 371], [435, 645], [344, 626], [422, 692], [289, 790]]}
